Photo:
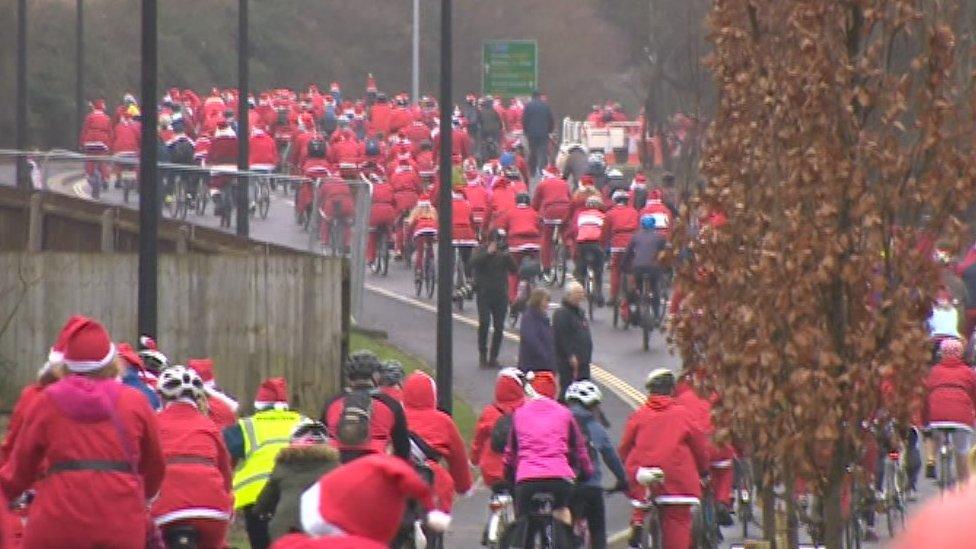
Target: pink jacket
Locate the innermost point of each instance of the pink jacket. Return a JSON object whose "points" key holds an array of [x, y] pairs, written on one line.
{"points": [[546, 442]]}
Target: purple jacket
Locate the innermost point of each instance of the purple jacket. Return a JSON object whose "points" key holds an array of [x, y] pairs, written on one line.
{"points": [[537, 348], [546, 442]]}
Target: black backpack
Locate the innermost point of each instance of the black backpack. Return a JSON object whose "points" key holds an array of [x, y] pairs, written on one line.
{"points": [[500, 433], [357, 415]]}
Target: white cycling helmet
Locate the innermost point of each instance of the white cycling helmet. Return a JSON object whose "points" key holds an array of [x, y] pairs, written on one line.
{"points": [[179, 381], [153, 360], [514, 373], [584, 391]]}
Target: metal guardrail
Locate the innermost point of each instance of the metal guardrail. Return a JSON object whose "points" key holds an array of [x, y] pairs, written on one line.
{"points": [[42, 163]]}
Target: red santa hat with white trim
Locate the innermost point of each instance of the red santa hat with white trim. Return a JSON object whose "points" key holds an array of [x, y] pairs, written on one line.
{"points": [[87, 346], [272, 393], [205, 369], [367, 498]]}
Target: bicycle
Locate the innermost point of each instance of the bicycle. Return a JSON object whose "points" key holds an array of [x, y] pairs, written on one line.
{"points": [[336, 230], [460, 276], [528, 272], [175, 197], [501, 516], [539, 529], [745, 492], [263, 196], [428, 271], [128, 175], [382, 264], [651, 534], [556, 275], [947, 452], [892, 500], [704, 526], [228, 203], [649, 316], [202, 193], [589, 281]]}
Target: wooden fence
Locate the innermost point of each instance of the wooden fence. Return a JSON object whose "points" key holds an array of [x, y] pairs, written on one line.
{"points": [[255, 315]]}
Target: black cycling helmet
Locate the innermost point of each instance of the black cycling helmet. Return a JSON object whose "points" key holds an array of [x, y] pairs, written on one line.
{"points": [[523, 198], [362, 364], [316, 148], [426, 145], [310, 431], [391, 373], [372, 148]]}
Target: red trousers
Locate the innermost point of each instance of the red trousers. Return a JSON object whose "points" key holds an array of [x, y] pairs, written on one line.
{"points": [[675, 525], [616, 259], [325, 230], [211, 532], [420, 243], [546, 250], [722, 483], [374, 236], [103, 167], [513, 278]]}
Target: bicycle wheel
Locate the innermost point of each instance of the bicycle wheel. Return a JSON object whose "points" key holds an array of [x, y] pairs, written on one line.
{"points": [[646, 321], [651, 530], [126, 189], [588, 286], [384, 252], [430, 273], [560, 265], [945, 464], [459, 280], [378, 263], [264, 199], [95, 182], [180, 194], [227, 206], [203, 195], [335, 237]]}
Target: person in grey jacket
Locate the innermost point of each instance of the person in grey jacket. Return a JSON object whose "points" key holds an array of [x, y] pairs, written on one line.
{"points": [[574, 343], [642, 258], [297, 467], [537, 350], [583, 399], [537, 123]]}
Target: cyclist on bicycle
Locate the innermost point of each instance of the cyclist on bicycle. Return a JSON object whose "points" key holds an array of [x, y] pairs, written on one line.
{"points": [[621, 224], [687, 393], [638, 192], [641, 260], [656, 207], [552, 201], [96, 140], [440, 437], [583, 398], [346, 149], [335, 204], [587, 233], [509, 395], [663, 434], [521, 224], [477, 196], [462, 226], [196, 488], [422, 227], [546, 451], [222, 154], [406, 190], [355, 433], [382, 214], [950, 400], [501, 200], [125, 142]]}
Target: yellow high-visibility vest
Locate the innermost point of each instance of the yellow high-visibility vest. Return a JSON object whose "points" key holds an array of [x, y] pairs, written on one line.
{"points": [[265, 434]]}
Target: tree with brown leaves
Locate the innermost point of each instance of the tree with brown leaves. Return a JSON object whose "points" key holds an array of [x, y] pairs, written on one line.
{"points": [[842, 146]]}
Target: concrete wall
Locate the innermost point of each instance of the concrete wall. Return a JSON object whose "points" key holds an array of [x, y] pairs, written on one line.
{"points": [[255, 315]]}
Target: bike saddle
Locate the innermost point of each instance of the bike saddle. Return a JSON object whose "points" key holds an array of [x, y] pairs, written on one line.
{"points": [[542, 503]]}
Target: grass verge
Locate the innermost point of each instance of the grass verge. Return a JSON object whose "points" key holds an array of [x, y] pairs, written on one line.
{"points": [[464, 415]]}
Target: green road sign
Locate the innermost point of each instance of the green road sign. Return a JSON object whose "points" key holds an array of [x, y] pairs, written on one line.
{"points": [[509, 67]]}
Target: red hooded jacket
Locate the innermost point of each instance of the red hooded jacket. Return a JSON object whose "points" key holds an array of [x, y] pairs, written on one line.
{"points": [[552, 198], [477, 197], [27, 397], [382, 210], [950, 393], [620, 223], [502, 200], [664, 434], [198, 473], [523, 226], [438, 430], [71, 421], [406, 188], [262, 150], [462, 225], [379, 116], [509, 395], [97, 131], [126, 138]]}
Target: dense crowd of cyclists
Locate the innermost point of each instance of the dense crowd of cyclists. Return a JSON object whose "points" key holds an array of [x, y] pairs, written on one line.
{"points": [[516, 219]]}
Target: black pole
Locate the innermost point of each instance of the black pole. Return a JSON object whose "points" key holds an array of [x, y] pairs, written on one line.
{"points": [[445, 249], [149, 204], [23, 177], [79, 66], [243, 129]]}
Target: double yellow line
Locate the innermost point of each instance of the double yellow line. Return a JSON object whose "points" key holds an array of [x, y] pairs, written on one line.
{"points": [[628, 394]]}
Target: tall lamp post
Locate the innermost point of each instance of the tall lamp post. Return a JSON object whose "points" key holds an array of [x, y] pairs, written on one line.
{"points": [[23, 178], [415, 84], [148, 172], [243, 120], [445, 251], [79, 65]]}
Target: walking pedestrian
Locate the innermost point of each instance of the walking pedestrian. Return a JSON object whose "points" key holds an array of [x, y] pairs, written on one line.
{"points": [[537, 349], [574, 344], [537, 123], [491, 266]]}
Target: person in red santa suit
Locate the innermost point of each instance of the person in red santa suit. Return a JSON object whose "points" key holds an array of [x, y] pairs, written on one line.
{"points": [[500, 202], [407, 187], [346, 149], [688, 394], [382, 215], [223, 154], [262, 150], [195, 495], [341, 510], [659, 210], [464, 237], [221, 408], [380, 114], [400, 116], [551, 200], [664, 434], [417, 132], [422, 227], [523, 226], [315, 166], [477, 196], [620, 224], [125, 142], [336, 203], [96, 139], [87, 430], [300, 139], [213, 109], [443, 447]]}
